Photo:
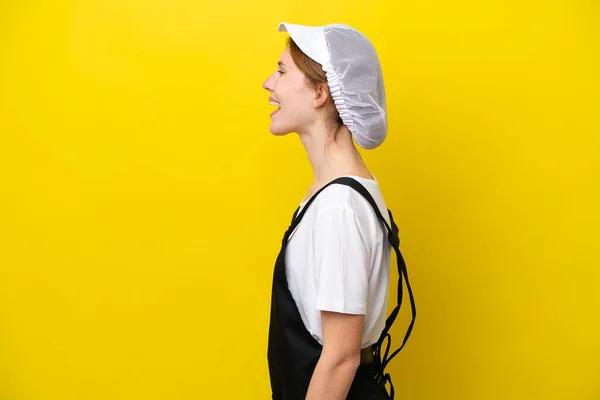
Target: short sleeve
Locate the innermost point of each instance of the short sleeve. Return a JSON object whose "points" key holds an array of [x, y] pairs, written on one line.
{"points": [[341, 262]]}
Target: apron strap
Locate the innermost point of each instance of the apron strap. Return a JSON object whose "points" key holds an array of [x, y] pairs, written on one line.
{"points": [[394, 240]]}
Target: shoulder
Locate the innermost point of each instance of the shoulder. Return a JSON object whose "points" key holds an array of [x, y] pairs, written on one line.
{"points": [[337, 198], [344, 196]]}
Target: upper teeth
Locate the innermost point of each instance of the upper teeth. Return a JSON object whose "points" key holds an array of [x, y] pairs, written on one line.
{"points": [[274, 103]]}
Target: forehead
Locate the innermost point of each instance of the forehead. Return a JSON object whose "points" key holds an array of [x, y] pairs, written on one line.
{"points": [[286, 58]]}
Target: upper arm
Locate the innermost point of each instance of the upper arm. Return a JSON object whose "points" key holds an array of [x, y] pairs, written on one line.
{"points": [[342, 336], [342, 273], [342, 262]]}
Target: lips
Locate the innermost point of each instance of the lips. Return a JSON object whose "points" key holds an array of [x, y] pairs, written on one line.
{"points": [[274, 102]]}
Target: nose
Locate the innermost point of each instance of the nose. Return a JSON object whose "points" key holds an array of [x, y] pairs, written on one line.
{"points": [[268, 84]]}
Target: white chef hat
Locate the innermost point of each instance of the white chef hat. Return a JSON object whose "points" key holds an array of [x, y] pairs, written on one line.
{"points": [[353, 74]]}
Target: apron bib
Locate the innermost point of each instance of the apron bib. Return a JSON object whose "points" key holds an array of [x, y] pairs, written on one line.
{"points": [[293, 353]]}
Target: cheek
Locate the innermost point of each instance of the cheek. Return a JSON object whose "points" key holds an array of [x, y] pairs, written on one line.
{"points": [[290, 87], [296, 99], [294, 92], [303, 102]]}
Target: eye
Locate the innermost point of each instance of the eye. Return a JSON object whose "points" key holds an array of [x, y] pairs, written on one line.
{"points": [[280, 72]]}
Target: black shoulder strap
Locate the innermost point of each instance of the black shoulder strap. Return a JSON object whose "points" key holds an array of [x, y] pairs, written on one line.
{"points": [[395, 243]]}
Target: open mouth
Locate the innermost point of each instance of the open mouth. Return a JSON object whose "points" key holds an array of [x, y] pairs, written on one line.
{"points": [[276, 104]]}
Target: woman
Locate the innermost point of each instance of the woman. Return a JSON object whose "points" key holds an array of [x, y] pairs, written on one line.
{"points": [[330, 283]]}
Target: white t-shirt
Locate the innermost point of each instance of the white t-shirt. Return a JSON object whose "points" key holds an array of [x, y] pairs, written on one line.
{"points": [[338, 259]]}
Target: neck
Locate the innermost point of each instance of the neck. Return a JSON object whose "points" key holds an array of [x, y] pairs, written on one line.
{"points": [[332, 153]]}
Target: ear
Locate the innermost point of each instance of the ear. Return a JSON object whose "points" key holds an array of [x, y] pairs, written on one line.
{"points": [[321, 95]]}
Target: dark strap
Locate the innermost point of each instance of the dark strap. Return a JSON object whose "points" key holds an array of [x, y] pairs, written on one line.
{"points": [[402, 271]]}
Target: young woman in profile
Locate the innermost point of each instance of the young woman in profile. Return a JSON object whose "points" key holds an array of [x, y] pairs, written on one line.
{"points": [[330, 284]]}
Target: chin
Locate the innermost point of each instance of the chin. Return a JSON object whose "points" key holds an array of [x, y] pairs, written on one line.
{"points": [[279, 131]]}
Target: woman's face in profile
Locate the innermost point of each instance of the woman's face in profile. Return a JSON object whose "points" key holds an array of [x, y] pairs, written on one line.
{"points": [[294, 98]]}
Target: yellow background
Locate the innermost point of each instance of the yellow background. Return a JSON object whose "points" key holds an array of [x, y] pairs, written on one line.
{"points": [[143, 198]]}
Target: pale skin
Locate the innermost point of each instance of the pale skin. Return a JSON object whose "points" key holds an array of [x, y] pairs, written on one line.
{"points": [[332, 153]]}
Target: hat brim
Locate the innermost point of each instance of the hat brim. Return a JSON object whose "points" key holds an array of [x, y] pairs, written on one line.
{"points": [[310, 39]]}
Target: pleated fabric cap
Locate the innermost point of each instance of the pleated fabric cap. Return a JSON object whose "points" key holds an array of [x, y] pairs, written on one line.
{"points": [[353, 75]]}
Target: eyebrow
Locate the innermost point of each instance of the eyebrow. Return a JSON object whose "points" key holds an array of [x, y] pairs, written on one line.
{"points": [[281, 64]]}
